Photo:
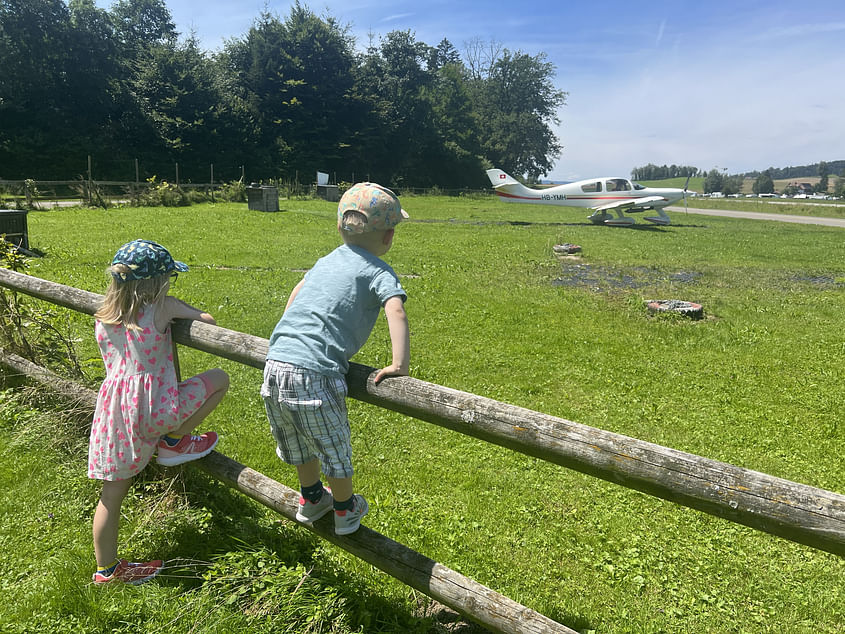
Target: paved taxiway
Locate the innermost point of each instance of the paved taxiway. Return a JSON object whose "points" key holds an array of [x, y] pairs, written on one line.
{"points": [[754, 215]]}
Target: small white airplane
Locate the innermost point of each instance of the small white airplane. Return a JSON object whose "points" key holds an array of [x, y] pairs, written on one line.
{"points": [[599, 194]]}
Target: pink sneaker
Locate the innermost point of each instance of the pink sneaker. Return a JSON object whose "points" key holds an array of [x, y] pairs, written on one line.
{"points": [[188, 448], [130, 572]]}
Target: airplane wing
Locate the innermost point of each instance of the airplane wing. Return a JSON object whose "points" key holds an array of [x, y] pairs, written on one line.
{"points": [[646, 201]]}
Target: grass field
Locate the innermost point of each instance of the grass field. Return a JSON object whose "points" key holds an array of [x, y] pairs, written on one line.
{"points": [[757, 383]]}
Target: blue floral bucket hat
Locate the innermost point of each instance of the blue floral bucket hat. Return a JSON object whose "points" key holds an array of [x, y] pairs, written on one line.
{"points": [[146, 260]]}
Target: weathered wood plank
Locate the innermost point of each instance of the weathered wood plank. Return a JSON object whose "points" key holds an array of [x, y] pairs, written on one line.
{"points": [[798, 512], [70, 390], [464, 595]]}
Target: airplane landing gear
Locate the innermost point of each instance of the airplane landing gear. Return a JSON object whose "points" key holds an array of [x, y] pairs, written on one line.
{"points": [[661, 218]]}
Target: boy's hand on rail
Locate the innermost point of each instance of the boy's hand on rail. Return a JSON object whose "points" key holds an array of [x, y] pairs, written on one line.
{"points": [[391, 370]]}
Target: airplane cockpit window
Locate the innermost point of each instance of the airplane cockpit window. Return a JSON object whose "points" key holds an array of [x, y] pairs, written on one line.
{"points": [[617, 185], [638, 186], [591, 187]]}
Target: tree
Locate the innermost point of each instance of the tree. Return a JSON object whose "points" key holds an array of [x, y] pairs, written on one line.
{"points": [[141, 24], [516, 102], [764, 184], [297, 79], [33, 49], [839, 188], [731, 185], [713, 182], [458, 162], [394, 80], [824, 173], [180, 96], [442, 55]]}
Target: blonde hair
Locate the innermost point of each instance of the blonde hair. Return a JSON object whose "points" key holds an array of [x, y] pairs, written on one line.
{"points": [[353, 230], [354, 221], [124, 300]]}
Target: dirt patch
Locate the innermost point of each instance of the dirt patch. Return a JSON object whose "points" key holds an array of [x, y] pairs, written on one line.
{"points": [[828, 281]]}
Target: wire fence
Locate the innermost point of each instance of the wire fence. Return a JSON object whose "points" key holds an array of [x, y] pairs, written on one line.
{"points": [[44, 194]]}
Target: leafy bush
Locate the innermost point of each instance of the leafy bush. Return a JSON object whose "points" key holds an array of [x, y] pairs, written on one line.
{"points": [[163, 194], [91, 193], [28, 328], [233, 192]]}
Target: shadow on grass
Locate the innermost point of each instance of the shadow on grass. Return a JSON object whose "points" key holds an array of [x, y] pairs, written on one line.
{"points": [[235, 525], [236, 528], [528, 223]]}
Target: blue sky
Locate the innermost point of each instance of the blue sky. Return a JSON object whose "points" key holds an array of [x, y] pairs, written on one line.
{"points": [[738, 85]]}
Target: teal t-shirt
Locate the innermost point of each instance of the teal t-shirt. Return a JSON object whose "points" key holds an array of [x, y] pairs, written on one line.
{"points": [[334, 312]]}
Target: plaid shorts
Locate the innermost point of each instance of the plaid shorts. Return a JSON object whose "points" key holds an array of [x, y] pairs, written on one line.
{"points": [[308, 419]]}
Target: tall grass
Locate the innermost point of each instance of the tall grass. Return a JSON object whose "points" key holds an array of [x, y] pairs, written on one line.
{"points": [[758, 383]]}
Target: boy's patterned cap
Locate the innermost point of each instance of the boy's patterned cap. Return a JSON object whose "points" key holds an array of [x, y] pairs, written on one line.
{"points": [[380, 205], [146, 259]]}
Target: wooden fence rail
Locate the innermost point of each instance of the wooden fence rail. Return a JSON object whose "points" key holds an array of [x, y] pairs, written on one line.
{"points": [[798, 512]]}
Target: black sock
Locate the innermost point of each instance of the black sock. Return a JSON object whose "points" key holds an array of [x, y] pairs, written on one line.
{"points": [[346, 505], [313, 493]]}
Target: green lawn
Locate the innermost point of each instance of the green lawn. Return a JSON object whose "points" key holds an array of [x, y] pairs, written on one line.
{"points": [[757, 383]]}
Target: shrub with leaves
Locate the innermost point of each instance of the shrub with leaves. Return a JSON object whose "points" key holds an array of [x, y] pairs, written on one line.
{"points": [[233, 192], [163, 194], [91, 193], [27, 327]]}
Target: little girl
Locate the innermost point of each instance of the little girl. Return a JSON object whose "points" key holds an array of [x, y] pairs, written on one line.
{"points": [[141, 407]]}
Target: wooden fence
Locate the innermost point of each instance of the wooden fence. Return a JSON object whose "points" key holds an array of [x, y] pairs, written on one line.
{"points": [[52, 193], [45, 194], [468, 597], [798, 512]]}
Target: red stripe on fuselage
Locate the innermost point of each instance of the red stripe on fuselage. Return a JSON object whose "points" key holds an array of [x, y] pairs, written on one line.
{"points": [[603, 197], [574, 197], [507, 195]]}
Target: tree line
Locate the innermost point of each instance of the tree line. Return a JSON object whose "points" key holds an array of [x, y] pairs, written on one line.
{"points": [[822, 168], [720, 181], [653, 172], [288, 98]]}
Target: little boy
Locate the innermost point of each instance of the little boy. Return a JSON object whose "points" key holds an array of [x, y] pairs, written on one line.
{"points": [[328, 318]]}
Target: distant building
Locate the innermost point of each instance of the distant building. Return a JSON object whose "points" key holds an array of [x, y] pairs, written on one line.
{"points": [[803, 188]]}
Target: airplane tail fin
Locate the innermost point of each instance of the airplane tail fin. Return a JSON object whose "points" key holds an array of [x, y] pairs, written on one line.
{"points": [[510, 189], [499, 178]]}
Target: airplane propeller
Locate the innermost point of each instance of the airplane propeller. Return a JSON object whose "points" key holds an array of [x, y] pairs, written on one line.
{"points": [[686, 209]]}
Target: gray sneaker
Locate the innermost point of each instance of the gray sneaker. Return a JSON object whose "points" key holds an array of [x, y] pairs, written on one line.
{"points": [[309, 512], [346, 522]]}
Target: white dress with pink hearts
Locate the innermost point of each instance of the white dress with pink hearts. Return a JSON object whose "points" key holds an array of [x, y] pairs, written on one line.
{"points": [[140, 399]]}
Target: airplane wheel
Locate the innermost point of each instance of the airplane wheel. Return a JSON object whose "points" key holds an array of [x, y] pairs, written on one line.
{"points": [[689, 309]]}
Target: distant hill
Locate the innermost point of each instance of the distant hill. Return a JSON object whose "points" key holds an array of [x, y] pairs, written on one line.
{"points": [[834, 168]]}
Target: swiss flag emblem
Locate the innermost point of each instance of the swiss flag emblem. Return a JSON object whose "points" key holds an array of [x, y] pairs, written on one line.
{"points": [[502, 177]]}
